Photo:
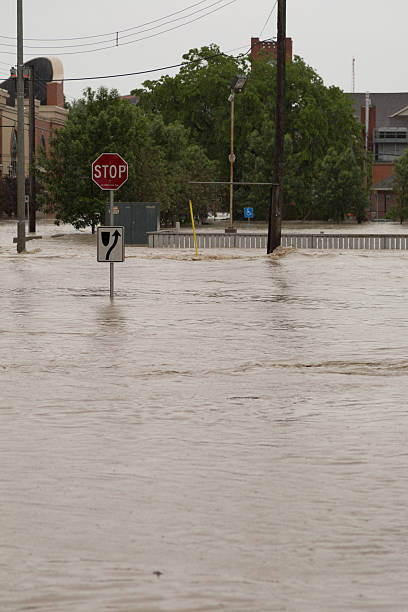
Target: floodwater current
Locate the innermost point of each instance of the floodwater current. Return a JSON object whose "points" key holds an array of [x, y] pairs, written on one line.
{"points": [[229, 433]]}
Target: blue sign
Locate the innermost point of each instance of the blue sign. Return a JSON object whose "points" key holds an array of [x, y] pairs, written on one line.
{"points": [[248, 213]]}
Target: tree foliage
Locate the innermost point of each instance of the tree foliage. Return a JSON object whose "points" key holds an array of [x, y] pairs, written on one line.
{"points": [[339, 186], [8, 196], [400, 183], [161, 159], [317, 118], [180, 132]]}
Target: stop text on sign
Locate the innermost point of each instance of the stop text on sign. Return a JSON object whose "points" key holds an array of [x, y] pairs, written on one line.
{"points": [[109, 171], [105, 171]]}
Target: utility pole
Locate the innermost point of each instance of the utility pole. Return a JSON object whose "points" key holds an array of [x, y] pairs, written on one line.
{"points": [[275, 205], [367, 127], [231, 162], [237, 86], [367, 118], [20, 133], [32, 207]]}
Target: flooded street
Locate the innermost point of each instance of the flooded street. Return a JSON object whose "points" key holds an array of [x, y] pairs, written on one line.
{"points": [[230, 433]]}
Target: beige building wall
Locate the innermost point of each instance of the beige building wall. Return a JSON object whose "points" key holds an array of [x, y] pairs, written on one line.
{"points": [[47, 119]]}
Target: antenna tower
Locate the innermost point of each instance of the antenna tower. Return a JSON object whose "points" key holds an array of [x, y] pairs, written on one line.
{"points": [[353, 73]]}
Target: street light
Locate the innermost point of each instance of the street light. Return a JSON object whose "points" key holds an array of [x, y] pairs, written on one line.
{"points": [[237, 85]]}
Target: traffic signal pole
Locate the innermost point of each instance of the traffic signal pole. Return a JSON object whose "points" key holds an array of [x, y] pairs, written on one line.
{"points": [[276, 198]]}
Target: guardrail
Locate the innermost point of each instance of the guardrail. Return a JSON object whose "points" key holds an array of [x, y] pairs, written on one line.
{"points": [[218, 240]]}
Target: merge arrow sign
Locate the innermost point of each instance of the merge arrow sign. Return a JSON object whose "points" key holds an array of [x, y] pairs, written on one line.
{"points": [[116, 236], [110, 244]]}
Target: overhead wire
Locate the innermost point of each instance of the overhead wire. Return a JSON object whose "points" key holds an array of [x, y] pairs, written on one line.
{"points": [[159, 69], [268, 18], [26, 123], [116, 31], [116, 42], [116, 39], [150, 35]]}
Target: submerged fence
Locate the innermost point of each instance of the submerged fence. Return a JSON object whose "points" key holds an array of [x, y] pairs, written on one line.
{"points": [[218, 240]]}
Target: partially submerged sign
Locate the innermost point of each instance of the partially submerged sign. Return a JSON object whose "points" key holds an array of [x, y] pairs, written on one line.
{"points": [[111, 245], [109, 172]]}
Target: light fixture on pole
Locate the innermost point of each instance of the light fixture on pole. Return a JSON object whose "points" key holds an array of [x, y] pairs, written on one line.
{"points": [[237, 85]]}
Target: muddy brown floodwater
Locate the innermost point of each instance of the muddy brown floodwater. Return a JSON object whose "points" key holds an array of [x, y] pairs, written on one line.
{"points": [[231, 433]]}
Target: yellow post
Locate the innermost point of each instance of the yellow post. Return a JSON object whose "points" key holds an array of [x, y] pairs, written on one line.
{"points": [[192, 222]]}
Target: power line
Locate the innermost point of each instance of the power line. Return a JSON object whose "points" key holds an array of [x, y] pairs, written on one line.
{"points": [[26, 123], [116, 38], [151, 35], [161, 68], [268, 18], [117, 31], [143, 37]]}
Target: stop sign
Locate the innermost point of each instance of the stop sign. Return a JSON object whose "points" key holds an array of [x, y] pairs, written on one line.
{"points": [[109, 171]]}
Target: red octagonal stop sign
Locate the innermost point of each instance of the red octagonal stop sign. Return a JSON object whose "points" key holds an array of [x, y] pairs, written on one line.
{"points": [[109, 171]]}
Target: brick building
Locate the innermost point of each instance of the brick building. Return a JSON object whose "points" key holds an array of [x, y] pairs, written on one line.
{"points": [[387, 140], [50, 113], [268, 48]]}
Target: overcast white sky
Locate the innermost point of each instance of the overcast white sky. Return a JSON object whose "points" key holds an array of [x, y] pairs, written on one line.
{"points": [[326, 33]]}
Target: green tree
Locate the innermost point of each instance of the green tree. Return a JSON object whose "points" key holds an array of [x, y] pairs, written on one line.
{"points": [[400, 183], [181, 161], [317, 118], [98, 122], [161, 159], [8, 196], [340, 186], [197, 98]]}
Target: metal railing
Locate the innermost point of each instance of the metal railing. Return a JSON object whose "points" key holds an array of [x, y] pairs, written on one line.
{"points": [[213, 240]]}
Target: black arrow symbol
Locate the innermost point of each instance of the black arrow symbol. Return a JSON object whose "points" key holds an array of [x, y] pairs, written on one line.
{"points": [[115, 242]]}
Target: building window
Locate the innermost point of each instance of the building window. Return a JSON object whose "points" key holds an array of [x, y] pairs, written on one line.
{"points": [[389, 151], [391, 134]]}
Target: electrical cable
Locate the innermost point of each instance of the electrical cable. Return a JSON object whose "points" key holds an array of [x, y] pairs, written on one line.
{"points": [[269, 16], [26, 124], [116, 39], [111, 33], [112, 76], [143, 37], [150, 35]]}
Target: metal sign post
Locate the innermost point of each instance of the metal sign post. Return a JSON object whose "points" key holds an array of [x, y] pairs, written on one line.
{"points": [[111, 265], [109, 172]]}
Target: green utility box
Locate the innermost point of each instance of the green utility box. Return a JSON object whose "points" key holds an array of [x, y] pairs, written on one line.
{"points": [[137, 218]]}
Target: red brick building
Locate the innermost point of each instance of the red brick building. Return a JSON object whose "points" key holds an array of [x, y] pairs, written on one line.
{"points": [[387, 139], [268, 48]]}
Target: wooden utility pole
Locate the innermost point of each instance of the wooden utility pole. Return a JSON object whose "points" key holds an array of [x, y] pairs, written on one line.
{"points": [[32, 207], [275, 205]]}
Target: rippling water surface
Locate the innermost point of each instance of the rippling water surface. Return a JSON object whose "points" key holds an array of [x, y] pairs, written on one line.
{"points": [[231, 433]]}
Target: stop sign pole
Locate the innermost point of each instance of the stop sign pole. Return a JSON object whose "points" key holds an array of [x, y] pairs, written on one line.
{"points": [[109, 172]]}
